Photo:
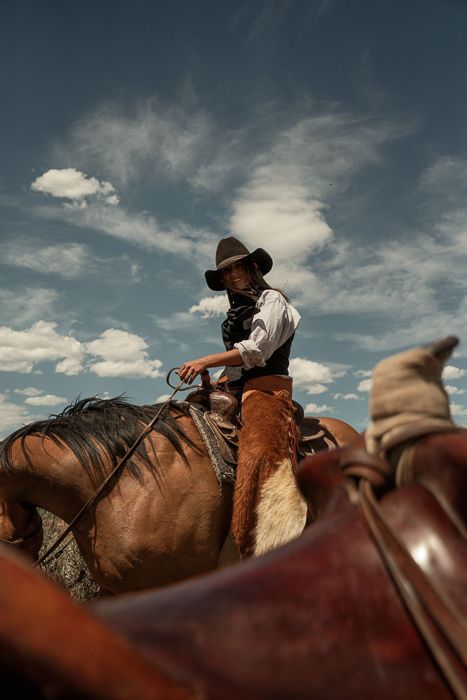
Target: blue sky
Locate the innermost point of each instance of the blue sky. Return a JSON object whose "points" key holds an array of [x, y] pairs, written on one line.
{"points": [[135, 135]]}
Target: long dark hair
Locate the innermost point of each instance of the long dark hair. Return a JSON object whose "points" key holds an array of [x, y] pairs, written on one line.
{"points": [[256, 285]]}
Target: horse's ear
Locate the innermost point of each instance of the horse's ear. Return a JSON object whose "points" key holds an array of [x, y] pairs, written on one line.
{"points": [[442, 349]]}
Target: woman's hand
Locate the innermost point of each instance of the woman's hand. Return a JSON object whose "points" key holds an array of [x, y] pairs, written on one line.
{"points": [[190, 370]]}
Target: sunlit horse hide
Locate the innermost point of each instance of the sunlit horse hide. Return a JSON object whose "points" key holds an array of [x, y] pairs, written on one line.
{"points": [[164, 518], [368, 603]]}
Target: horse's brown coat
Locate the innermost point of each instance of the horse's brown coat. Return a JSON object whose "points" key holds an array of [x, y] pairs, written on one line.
{"points": [[167, 526]]}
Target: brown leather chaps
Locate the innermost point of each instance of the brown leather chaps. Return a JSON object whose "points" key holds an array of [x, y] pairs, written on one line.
{"points": [[268, 441]]}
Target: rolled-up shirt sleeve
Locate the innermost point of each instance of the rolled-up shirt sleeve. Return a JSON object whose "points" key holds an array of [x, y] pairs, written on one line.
{"points": [[271, 326]]}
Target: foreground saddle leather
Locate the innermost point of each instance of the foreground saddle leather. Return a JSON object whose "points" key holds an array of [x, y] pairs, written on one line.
{"points": [[317, 618]]}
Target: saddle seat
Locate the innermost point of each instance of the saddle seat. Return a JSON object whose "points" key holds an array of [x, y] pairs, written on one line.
{"points": [[222, 412]]}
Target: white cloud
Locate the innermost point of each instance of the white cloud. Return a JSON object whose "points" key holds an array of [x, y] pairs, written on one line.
{"points": [[362, 373], [281, 202], [141, 229], [364, 385], [12, 416], [123, 355], [450, 372], [74, 185], [45, 400], [313, 409], [310, 376], [25, 305], [21, 351], [445, 176], [458, 410], [209, 307], [149, 140], [454, 390], [29, 391], [178, 320], [282, 205], [315, 388], [66, 260], [162, 398], [280, 216], [347, 397]]}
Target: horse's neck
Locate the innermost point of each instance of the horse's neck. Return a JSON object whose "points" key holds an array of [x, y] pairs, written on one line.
{"points": [[33, 481]]}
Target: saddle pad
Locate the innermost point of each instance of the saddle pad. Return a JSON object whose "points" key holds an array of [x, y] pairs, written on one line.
{"points": [[226, 473]]}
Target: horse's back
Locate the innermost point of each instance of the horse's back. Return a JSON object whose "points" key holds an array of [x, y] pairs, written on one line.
{"points": [[343, 433]]}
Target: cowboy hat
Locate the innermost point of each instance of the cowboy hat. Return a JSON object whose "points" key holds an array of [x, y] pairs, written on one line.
{"points": [[229, 251]]}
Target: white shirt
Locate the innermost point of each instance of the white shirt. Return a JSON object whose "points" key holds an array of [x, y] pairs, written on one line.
{"points": [[271, 326]]}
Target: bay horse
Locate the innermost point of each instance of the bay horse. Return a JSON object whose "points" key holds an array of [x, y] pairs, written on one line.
{"points": [[164, 519]]}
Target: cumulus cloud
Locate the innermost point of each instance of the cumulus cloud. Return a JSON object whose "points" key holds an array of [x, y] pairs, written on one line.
{"points": [[364, 385], [458, 410], [311, 376], [450, 372], [282, 205], [72, 184], [178, 320], [21, 351], [281, 200], [45, 400], [313, 409], [362, 373], [454, 390], [12, 416], [28, 391], [347, 397], [209, 307], [281, 180], [123, 355]]}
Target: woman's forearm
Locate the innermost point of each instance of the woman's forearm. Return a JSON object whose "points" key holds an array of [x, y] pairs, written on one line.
{"points": [[190, 369], [229, 358]]}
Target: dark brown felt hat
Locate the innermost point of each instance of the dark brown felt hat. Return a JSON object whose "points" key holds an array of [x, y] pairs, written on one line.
{"points": [[231, 250]]}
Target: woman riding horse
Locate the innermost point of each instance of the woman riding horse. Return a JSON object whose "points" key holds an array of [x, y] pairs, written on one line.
{"points": [[257, 334]]}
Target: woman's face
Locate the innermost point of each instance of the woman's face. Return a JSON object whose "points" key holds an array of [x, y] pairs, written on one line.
{"points": [[235, 276]]}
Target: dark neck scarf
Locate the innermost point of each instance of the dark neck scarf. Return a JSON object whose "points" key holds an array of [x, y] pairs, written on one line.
{"points": [[236, 326]]}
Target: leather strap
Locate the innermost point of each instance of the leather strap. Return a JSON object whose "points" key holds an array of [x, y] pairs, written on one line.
{"points": [[357, 462], [440, 625]]}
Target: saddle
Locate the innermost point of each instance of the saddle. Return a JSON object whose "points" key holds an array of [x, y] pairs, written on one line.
{"points": [[221, 412]]}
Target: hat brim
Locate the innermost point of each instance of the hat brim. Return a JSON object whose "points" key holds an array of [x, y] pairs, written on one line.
{"points": [[259, 256]]}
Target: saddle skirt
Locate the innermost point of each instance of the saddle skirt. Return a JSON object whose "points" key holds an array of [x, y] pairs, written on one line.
{"points": [[220, 427]]}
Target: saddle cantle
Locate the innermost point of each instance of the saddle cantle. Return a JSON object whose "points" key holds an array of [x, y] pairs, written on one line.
{"points": [[217, 416]]}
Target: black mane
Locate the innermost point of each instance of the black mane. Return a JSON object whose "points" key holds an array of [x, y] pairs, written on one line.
{"points": [[96, 430]]}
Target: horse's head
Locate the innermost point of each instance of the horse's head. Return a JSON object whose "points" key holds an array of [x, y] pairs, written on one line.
{"points": [[21, 526]]}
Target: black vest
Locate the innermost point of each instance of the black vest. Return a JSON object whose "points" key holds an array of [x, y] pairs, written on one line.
{"points": [[237, 327]]}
